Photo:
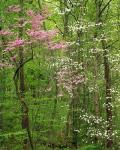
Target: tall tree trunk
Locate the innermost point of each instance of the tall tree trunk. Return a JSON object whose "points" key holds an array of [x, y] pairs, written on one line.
{"points": [[25, 110], [95, 72], [96, 92], [108, 96], [1, 95], [96, 95], [75, 118], [99, 13], [2, 80]]}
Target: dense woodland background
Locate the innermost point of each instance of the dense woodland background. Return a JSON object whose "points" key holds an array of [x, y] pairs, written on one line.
{"points": [[59, 74]]}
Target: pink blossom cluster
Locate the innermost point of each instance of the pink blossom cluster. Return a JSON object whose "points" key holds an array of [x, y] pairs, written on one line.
{"points": [[37, 33], [13, 58], [36, 20], [55, 46], [15, 44], [5, 32], [14, 8], [2, 65], [42, 35]]}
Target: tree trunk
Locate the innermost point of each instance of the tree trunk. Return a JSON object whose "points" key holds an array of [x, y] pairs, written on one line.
{"points": [[108, 96], [75, 118], [99, 13], [2, 81], [25, 110]]}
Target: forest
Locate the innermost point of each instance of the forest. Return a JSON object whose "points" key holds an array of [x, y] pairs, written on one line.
{"points": [[59, 75]]}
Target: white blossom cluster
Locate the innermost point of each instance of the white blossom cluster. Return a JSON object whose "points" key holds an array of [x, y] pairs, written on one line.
{"points": [[66, 62], [101, 133], [63, 12], [69, 8], [77, 27], [96, 50], [96, 126], [91, 119], [83, 25]]}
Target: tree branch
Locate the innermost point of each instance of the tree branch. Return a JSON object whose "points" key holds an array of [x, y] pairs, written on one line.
{"points": [[21, 65], [105, 7]]}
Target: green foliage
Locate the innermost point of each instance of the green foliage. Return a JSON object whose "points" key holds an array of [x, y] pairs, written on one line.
{"points": [[52, 110], [91, 147]]}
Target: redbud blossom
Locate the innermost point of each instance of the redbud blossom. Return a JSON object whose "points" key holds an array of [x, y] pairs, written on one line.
{"points": [[5, 65], [30, 13], [13, 58], [36, 21], [8, 49], [37, 33], [55, 46], [52, 33], [14, 8], [5, 32], [42, 35], [16, 43]]}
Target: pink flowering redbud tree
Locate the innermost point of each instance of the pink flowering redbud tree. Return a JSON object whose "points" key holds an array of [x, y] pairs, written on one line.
{"points": [[15, 50], [28, 31]]}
